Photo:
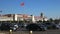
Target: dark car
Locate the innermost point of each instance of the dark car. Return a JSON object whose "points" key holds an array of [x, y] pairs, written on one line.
{"points": [[5, 26], [21, 25], [51, 25], [8, 26], [35, 27], [43, 26]]}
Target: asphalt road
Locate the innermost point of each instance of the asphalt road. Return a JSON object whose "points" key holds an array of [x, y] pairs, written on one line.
{"points": [[34, 32]]}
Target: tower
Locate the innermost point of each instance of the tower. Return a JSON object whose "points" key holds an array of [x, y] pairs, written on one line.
{"points": [[32, 18], [42, 15]]}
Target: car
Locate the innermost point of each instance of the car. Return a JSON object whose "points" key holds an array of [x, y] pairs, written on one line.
{"points": [[35, 27], [5, 26], [58, 26], [43, 26], [14, 26], [8, 26], [51, 26], [21, 25]]}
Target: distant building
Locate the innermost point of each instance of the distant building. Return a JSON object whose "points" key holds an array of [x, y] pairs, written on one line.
{"points": [[43, 18], [6, 17], [22, 17]]}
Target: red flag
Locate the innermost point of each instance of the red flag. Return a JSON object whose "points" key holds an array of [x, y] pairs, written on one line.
{"points": [[22, 4]]}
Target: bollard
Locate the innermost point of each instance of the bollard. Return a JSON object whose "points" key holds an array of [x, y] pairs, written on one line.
{"points": [[10, 32], [30, 32]]}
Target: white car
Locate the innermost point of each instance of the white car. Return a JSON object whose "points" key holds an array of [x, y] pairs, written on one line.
{"points": [[14, 27]]}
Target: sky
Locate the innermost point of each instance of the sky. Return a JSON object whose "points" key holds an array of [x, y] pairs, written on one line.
{"points": [[50, 8]]}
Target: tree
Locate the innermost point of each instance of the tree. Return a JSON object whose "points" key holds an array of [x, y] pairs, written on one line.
{"points": [[51, 20], [56, 21]]}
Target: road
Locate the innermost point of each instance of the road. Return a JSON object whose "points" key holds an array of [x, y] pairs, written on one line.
{"points": [[34, 32]]}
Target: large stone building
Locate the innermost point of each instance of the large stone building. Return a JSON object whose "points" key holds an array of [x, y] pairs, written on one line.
{"points": [[22, 17], [14, 17]]}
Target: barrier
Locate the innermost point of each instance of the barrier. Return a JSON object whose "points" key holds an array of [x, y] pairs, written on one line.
{"points": [[30, 32], [10, 32]]}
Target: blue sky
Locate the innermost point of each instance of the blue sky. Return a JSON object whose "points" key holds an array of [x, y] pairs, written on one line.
{"points": [[51, 8]]}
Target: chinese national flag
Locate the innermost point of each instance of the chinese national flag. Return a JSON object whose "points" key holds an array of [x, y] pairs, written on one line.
{"points": [[22, 4]]}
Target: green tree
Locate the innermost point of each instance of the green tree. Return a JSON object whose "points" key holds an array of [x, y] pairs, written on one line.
{"points": [[51, 20]]}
